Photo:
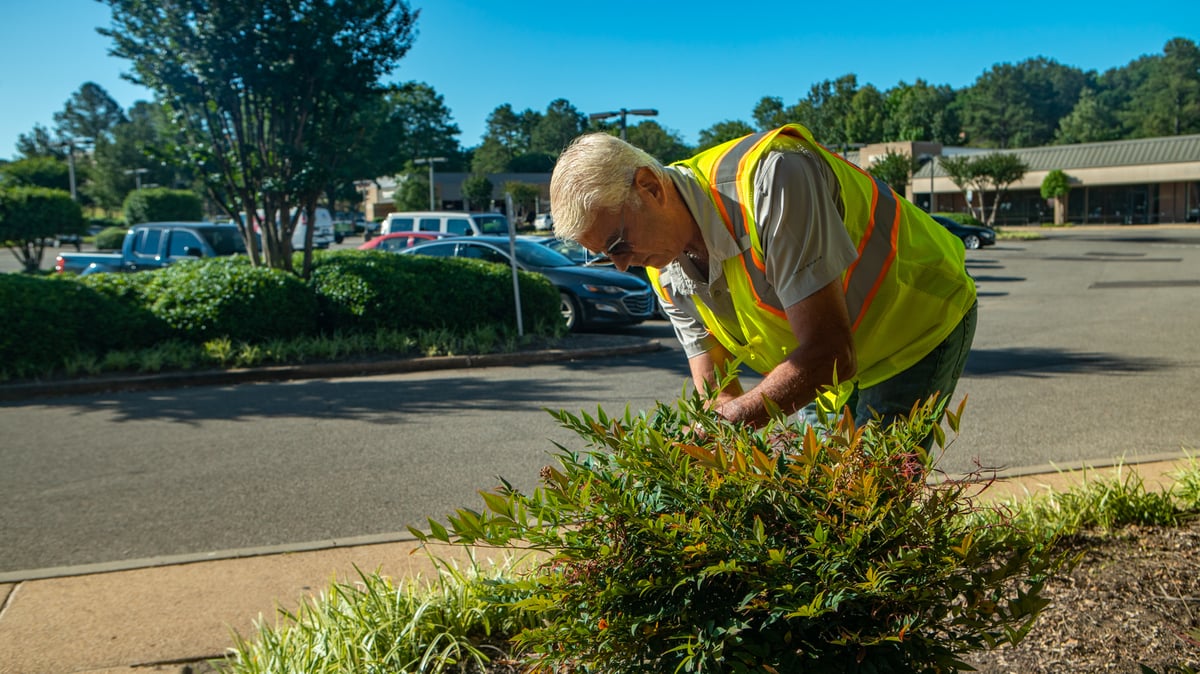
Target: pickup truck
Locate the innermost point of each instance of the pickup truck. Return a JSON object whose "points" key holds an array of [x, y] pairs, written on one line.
{"points": [[153, 245]]}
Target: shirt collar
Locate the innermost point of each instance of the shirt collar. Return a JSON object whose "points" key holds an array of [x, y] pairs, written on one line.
{"points": [[720, 243]]}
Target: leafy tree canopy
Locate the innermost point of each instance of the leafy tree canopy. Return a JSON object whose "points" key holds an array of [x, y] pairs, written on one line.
{"points": [[264, 93], [30, 215], [723, 131]]}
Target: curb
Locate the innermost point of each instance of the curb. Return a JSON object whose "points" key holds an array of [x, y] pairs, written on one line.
{"points": [[29, 390]]}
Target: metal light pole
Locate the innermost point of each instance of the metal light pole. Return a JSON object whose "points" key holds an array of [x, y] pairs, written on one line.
{"points": [[431, 161], [70, 146], [137, 175], [623, 113]]}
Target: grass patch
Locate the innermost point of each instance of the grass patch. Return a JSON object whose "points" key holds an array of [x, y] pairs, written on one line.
{"points": [[381, 625], [225, 353]]}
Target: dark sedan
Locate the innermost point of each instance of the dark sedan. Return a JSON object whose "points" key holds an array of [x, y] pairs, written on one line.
{"points": [[591, 296], [580, 255], [973, 237]]}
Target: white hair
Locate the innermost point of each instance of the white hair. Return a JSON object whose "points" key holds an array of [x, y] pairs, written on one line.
{"points": [[595, 173]]}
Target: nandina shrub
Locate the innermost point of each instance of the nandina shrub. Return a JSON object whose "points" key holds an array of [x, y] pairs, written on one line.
{"points": [[680, 543]]}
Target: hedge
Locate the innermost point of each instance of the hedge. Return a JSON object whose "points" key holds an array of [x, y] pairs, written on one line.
{"points": [[371, 290], [51, 320]]}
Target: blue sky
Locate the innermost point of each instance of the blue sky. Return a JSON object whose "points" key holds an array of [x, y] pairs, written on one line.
{"points": [[697, 66]]}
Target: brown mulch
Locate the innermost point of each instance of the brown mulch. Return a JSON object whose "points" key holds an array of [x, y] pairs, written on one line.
{"points": [[1130, 602]]}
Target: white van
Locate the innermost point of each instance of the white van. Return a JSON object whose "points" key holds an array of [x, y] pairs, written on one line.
{"points": [[449, 222], [323, 235]]}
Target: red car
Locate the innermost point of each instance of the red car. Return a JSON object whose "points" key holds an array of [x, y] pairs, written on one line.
{"points": [[400, 240]]}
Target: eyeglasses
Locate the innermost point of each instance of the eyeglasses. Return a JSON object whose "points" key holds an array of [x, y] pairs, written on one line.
{"points": [[619, 246]]}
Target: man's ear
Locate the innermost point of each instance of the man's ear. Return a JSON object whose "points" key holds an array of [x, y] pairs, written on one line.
{"points": [[648, 185]]}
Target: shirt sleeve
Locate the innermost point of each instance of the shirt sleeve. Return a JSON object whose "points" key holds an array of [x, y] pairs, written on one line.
{"points": [[804, 238], [681, 310]]}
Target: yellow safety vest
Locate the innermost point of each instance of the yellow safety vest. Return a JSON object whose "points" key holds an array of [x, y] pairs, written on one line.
{"points": [[906, 291]]}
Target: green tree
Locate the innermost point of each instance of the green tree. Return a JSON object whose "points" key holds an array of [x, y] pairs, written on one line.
{"points": [[412, 189], [1168, 101], [412, 121], [404, 122], [31, 215], [477, 190], [555, 129], [40, 142], [1020, 105], [264, 92], [136, 155], [895, 169], [524, 197], [660, 143], [980, 174], [867, 116], [36, 172], [769, 113], [826, 108], [1089, 122], [921, 111], [509, 135], [723, 131], [90, 113], [1057, 185]]}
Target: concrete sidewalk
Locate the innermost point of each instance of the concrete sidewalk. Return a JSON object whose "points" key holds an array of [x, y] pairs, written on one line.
{"points": [[174, 618]]}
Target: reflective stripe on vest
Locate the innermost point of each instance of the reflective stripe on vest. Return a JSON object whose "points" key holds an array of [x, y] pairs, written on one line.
{"points": [[876, 249]]}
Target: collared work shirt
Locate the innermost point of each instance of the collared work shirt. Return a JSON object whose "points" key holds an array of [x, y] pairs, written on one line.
{"points": [[804, 240]]}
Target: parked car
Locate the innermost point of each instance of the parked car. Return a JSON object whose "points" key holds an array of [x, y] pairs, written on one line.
{"points": [[972, 236], [580, 255], [152, 245], [450, 222], [400, 240], [590, 296]]}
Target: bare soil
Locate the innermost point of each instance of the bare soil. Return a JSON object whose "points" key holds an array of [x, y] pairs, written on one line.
{"points": [[1130, 603]]}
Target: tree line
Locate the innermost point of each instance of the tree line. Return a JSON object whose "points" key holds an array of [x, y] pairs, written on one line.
{"points": [[272, 106]]}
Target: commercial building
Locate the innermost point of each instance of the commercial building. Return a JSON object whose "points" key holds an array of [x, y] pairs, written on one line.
{"points": [[1134, 182]]}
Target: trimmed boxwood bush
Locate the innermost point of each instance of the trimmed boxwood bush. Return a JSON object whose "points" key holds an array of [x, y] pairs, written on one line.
{"points": [[111, 238], [226, 297], [125, 319], [48, 319], [160, 204], [371, 290], [963, 218]]}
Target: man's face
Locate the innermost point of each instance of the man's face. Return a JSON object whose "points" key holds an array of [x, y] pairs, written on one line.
{"points": [[633, 236]]}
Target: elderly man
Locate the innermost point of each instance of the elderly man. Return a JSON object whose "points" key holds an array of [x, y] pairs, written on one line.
{"points": [[771, 251]]}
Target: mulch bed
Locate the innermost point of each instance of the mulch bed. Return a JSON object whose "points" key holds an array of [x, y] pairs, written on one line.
{"points": [[1130, 602]]}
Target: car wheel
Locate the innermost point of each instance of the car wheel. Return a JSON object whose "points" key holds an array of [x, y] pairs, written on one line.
{"points": [[338, 237], [971, 242], [569, 307]]}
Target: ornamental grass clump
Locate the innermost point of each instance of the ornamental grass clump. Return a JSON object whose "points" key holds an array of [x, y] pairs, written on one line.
{"points": [[680, 543]]}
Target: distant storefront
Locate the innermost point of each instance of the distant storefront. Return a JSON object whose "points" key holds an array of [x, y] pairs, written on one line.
{"points": [[1131, 182]]}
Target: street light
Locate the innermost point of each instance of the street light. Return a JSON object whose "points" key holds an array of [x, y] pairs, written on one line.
{"points": [[137, 175], [623, 113], [70, 145], [431, 161]]}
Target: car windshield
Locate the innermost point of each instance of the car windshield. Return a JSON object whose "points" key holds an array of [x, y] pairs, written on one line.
{"points": [[491, 223], [536, 255], [577, 253], [224, 241]]}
